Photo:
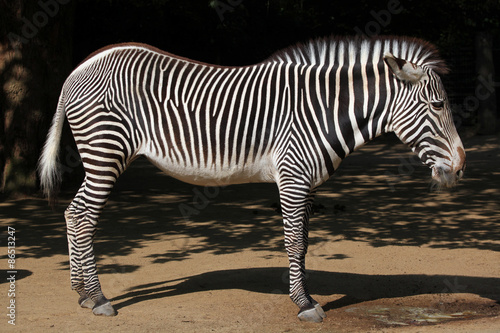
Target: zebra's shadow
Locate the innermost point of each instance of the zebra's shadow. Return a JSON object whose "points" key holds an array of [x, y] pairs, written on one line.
{"points": [[356, 288]]}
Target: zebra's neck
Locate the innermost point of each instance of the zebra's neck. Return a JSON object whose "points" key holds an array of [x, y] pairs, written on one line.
{"points": [[348, 103]]}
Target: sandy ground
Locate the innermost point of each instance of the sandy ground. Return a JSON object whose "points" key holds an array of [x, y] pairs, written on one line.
{"points": [[385, 255]]}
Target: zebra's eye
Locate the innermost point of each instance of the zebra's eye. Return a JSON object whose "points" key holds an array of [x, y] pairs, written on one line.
{"points": [[438, 105]]}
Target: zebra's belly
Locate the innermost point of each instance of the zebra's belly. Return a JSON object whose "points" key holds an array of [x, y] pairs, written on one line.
{"points": [[262, 171]]}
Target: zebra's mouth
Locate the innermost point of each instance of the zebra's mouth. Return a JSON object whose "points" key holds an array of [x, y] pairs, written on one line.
{"points": [[444, 178]]}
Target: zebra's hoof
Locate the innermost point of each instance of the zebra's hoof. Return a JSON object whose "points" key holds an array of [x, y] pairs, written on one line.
{"points": [[86, 302], [105, 309], [319, 310], [312, 315]]}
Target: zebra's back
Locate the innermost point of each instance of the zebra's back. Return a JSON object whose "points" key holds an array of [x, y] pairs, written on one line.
{"points": [[200, 123]]}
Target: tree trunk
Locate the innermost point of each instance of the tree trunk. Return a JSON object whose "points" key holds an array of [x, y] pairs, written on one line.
{"points": [[35, 57], [485, 86]]}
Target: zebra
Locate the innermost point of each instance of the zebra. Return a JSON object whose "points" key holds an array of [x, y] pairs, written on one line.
{"points": [[290, 119]]}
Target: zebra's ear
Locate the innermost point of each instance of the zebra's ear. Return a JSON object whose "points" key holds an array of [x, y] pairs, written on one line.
{"points": [[404, 70]]}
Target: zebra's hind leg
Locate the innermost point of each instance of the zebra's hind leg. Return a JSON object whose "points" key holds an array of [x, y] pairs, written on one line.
{"points": [[81, 221], [74, 255], [296, 203]]}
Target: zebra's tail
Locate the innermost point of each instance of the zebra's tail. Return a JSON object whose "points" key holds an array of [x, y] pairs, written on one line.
{"points": [[49, 168]]}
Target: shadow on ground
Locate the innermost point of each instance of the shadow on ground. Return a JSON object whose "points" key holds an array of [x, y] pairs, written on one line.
{"points": [[356, 288]]}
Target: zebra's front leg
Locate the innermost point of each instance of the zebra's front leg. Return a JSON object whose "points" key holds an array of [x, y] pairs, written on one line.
{"points": [[296, 209]]}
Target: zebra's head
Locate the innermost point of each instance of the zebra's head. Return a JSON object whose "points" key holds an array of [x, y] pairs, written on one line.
{"points": [[421, 118]]}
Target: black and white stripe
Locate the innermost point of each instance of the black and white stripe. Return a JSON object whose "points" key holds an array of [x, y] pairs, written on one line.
{"points": [[290, 120]]}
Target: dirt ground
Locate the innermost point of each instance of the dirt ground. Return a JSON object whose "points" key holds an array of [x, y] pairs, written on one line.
{"points": [[386, 255]]}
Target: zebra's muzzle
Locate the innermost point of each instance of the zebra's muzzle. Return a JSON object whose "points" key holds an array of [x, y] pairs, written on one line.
{"points": [[445, 178]]}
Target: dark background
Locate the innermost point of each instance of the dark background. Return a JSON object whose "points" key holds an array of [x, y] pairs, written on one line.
{"points": [[42, 41]]}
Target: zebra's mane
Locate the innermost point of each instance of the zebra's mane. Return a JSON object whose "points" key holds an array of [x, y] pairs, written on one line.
{"points": [[324, 51]]}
